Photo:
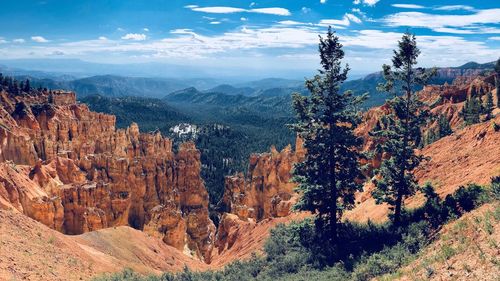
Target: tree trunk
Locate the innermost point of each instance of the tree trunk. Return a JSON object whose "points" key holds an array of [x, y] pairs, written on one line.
{"points": [[397, 210], [333, 186], [497, 84]]}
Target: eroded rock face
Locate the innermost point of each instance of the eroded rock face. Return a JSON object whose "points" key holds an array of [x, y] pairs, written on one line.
{"points": [[69, 168], [266, 191]]}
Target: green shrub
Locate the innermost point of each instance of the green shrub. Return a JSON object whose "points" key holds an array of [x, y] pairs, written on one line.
{"points": [[469, 197], [126, 275], [495, 187]]}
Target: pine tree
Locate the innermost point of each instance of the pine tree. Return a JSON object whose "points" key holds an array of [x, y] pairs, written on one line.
{"points": [[327, 178], [444, 126], [402, 134], [430, 136], [473, 91], [27, 86], [471, 112], [497, 81], [488, 106]]}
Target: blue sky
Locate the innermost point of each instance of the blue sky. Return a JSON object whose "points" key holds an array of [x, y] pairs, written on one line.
{"points": [[267, 37]]}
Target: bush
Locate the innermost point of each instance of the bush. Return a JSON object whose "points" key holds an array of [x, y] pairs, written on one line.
{"points": [[469, 197], [126, 275], [495, 187]]}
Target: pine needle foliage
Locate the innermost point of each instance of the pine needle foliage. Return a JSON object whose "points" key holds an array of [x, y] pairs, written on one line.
{"points": [[328, 177], [401, 134]]}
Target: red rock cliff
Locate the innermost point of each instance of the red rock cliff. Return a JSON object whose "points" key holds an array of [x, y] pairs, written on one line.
{"points": [[71, 169]]}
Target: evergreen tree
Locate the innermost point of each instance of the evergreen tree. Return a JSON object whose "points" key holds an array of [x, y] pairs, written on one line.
{"points": [[471, 112], [497, 81], [430, 136], [488, 106], [327, 178], [27, 86], [473, 91], [444, 126], [14, 87], [402, 134]]}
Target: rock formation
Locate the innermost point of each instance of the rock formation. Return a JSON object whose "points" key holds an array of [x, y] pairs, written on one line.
{"points": [[72, 170], [266, 191]]}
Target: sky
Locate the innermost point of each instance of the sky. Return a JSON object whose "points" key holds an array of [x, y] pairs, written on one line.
{"points": [[268, 38]]}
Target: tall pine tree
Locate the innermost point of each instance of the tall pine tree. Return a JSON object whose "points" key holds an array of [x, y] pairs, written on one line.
{"points": [[327, 178], [497, 81], [444, 126], [402, 132], [488, 106], [471, 112]]}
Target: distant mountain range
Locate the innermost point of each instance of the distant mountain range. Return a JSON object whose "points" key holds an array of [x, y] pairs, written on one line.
{"points": [[211, 91]]}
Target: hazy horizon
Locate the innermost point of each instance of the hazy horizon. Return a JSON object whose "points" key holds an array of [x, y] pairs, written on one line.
{"points": [[253, 39]]}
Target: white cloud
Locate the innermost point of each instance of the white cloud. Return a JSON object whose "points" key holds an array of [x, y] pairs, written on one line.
{"points": [[305, 10], [408, 6], [365, 2], [2, 41], [495, 38], [291, 22], [445, 23], [134, 36], [230, 10], [370, 47], [322, 1], [243, 19], [370, 2], [454, 8], [271, 11], [191, 6], [182, 31], [39, 39], [19, 40], [120, 29], [345, 21], [57, 53], [146, 29], [215, 22], [218, 10], [102, 38], [353, 18], [436, 50]]}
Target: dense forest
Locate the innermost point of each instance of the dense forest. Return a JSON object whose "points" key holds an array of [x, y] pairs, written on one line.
{"points": [[226, 133]]}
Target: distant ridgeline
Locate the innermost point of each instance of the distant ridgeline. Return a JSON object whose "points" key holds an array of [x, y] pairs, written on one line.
{"points": [[119, 86]]}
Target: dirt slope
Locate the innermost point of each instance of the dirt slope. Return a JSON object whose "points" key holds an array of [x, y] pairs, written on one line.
{"points": [[470, 155], [467, 249], [247, 237], [32, 251]]}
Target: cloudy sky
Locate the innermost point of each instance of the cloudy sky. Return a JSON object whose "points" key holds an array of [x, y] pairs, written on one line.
{"points": [[265, 36]]}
